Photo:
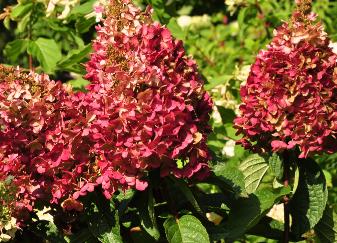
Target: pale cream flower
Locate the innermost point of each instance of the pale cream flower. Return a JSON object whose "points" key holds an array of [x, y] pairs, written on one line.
{"points": [[194, 22], [234, 4], [229, 149], [66, 4]]}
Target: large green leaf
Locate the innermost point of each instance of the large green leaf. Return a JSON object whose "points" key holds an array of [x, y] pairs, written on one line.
{"points": [[326, 229], [187, 229], [246, 213], [47, 52], [231, 176], [147, 215], [253, 168], [14, 48], [308, 203]]}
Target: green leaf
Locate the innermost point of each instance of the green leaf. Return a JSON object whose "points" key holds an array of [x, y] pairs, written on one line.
{"points": [[110, 237], [253, 168], [232, 176], [187, 193], [105, 230], [175, 29], [247, 212], [74, 57], [14, 48], [276, 165], [79, 84], [21, 10], [83, 25], [47, 53], [326, 229], [147, 215], [22, 24], [84, 9], [227, 115], [7, 23], [187, 229], [308, 203]]}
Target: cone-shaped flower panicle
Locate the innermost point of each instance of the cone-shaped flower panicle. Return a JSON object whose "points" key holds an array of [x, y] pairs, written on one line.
{"points": [[156, 110], [290, 97], [48, 143], [33, 152]]}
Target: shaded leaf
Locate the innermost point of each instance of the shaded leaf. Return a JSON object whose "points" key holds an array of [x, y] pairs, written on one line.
{"points": [[187, 193], [308, 203], [14, 48], [147, 215], [246, 213], [326, 229]]}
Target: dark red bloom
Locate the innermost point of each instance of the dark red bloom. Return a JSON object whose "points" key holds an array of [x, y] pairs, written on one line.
{"points": [[290, 98], [155, 108]]}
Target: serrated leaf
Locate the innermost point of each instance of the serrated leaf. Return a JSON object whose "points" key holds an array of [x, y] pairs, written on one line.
{"points": [[110, 237], [247, 212], [14, 48], [308, 203], [253, 168], [187, 229], [276, 165], [147, 215], [326, 229], [47, 52]]}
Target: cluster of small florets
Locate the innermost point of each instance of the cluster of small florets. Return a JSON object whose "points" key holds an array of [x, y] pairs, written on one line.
{"points": [[155, 106], [36, 144], [145, 109], [290, 98]]}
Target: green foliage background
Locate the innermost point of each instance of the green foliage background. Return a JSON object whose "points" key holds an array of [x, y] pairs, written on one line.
{"points": [[224, 41]]}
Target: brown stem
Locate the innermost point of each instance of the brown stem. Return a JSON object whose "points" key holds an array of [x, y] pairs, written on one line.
{"points": [[30, 59], [286, 175]]}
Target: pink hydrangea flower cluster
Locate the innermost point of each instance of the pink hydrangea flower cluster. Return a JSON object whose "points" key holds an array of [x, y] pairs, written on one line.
{"points": [[290, 98], [155, 106], [145, 109], [35, 141]]}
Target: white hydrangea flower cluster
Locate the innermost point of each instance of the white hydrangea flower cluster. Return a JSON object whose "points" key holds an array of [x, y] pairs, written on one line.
{"points": [[66, 4], [233, 5], [196, 22]]}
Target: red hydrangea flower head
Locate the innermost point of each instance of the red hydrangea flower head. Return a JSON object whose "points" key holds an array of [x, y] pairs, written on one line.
{"points": [[156, 110], [49, 143], [290, 98]]}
